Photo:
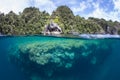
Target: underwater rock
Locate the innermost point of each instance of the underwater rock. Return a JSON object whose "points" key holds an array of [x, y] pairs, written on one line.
{"points": [[48, 58], [42, 54]]}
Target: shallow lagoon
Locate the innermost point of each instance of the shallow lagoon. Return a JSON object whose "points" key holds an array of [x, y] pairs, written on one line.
{"points": [[59, 58]]}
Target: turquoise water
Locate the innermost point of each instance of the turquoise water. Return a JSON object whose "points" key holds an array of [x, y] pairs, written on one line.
{"points": [[59, 58]]}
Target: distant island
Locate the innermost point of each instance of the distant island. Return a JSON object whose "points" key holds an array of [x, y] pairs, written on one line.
{"points": [[32, 21]]}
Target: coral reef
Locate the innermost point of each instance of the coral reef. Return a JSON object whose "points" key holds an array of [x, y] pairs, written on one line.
{"points": [[50, 57]]}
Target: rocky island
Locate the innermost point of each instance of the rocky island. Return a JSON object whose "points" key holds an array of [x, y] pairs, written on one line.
{"points": [[32, 21]]}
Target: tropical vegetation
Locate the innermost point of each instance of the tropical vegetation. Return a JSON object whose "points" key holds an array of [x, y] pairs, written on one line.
{"points": [[32, 21]]}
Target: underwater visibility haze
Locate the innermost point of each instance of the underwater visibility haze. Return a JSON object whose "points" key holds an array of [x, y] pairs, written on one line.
{"points": [[59, 58]]}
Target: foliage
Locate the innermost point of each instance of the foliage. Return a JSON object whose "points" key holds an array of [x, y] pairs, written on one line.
{"points": [[87, 26], [66, 17], [32, 21]]}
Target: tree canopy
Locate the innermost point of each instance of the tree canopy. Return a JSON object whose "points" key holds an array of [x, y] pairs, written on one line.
{"points": [[32, 21]]}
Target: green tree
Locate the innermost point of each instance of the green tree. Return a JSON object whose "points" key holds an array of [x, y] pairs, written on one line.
{"points": [[66, 17]]}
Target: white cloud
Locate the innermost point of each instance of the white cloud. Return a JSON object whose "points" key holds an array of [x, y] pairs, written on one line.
{"points": [[14, 5], [117, 8], [101, 13], [116, 4], [82, 6], [47, 5], [18, 5]]}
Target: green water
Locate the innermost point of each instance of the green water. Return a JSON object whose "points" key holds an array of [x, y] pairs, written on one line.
{"points": [[59, 58]]}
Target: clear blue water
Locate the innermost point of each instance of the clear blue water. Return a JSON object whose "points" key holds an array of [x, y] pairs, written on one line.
{"points": [[101, 64]]}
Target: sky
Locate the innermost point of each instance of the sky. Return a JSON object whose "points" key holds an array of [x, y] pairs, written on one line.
{"points": [[107, 9]]}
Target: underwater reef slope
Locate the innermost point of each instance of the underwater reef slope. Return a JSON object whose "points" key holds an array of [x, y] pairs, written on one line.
{"points": [[60, 58]]}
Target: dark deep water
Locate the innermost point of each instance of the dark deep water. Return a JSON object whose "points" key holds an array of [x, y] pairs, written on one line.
{"points": [[106, 69]]}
